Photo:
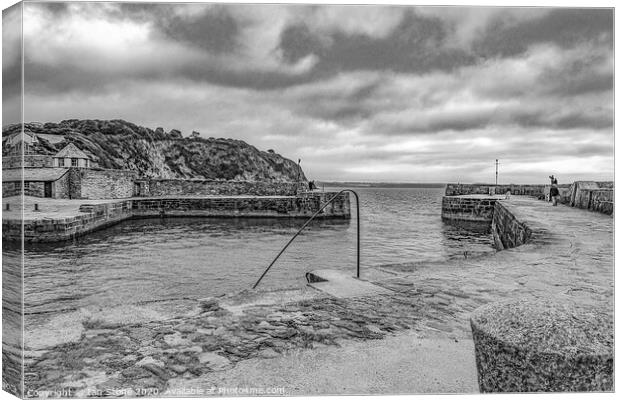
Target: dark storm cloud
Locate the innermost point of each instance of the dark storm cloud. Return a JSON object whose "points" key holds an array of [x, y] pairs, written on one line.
{"points": [[341, 105], [297, 42], [563, 27], [417, 44], [215, 31]]}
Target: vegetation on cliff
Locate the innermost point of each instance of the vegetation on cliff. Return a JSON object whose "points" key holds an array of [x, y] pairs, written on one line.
{"points": [[155, 153]]}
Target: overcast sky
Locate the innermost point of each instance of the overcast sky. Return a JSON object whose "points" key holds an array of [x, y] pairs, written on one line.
{"points": [[366, 93]]}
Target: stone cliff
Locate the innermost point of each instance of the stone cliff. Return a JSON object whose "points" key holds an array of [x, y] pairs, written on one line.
{"points": [[118, 144]]}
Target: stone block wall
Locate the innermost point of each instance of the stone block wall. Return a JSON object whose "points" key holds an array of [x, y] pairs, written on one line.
{"points": [[543, 346], [590, 195], [599, 200], [184, 187], [11, 189], [250, 206], [97, 216], [490, 213], [565, 192], [61, 188], [507, 230], [29, 160], [102, 184], [36, 189], [453, 189], [468, 211], [15, 189], [53, 230]]}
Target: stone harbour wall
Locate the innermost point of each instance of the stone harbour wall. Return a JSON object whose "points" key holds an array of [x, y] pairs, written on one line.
{"points": [[470, 212], [590, 195], [507, 230], [602, 200], [94, 217], [244, 206], [98, 216], [488, 214], [458, 189], [595, 196], [184, 187]]}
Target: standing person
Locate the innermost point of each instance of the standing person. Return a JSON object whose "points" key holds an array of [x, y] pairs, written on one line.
{"points": [[554, 193]]}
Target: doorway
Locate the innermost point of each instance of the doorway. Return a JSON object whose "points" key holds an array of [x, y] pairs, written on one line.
{"points": [[47, 189]]}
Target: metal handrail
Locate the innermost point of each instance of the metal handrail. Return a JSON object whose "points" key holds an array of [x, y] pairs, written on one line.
{"points": [[357, 202]]}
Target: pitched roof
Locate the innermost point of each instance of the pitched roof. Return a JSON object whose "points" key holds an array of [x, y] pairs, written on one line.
{"points": [[71, 151], [33, 174], [18, 135]]}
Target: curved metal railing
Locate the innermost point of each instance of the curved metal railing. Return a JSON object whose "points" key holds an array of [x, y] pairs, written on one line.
{"points": [[357, 203]]}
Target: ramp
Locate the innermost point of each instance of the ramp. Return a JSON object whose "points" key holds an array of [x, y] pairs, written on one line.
{"points": [[342, 285]]}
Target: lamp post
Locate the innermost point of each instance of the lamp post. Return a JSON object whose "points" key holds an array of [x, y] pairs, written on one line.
{"points": [[496, 168]]}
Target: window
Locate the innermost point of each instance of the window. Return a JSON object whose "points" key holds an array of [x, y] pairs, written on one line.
{"points": [[61, 162], [26, 185], [74, 162]]}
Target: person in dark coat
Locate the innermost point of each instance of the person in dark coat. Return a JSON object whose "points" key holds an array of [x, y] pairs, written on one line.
{"points": [[554, 193]]}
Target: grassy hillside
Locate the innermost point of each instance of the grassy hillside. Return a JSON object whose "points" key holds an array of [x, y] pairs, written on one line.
{"points": [[155, 153]]}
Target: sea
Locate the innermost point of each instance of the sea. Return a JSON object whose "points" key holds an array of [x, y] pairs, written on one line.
{"points": [[155, 260]]}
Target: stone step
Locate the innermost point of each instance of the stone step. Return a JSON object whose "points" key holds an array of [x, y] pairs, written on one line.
{"points": [[342, 285]]}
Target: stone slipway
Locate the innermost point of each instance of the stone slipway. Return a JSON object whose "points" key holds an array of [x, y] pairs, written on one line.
{"points": [[342, 285], [311, 342]]}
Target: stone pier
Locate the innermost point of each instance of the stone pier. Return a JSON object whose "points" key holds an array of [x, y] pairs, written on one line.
{"points": [[60, 219]]}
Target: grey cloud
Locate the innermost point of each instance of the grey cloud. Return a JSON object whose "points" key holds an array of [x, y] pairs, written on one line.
{"points": [[417, 44], [11, 64], [71, 78], [339, 105], [296, 42], [546, 117], [572, 83], [215, 31], [563, 27], [55, 8]]}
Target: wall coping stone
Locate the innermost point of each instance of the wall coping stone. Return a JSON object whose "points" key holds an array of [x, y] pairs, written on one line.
{"points": [[536, 345]]}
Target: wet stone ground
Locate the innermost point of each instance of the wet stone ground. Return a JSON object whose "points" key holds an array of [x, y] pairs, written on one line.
{"points": [[213, 337]]}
